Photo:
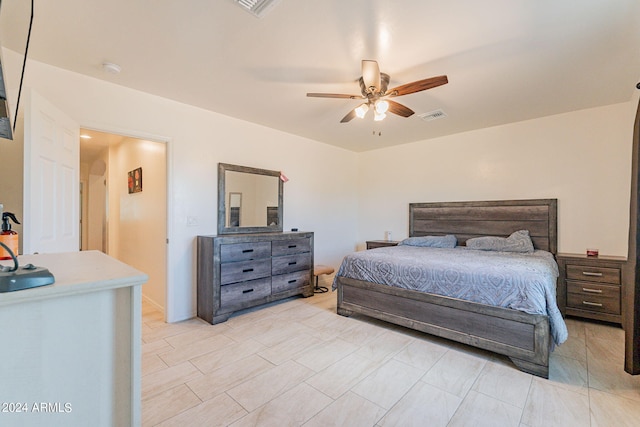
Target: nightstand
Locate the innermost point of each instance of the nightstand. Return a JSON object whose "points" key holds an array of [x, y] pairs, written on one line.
{"points": [[591, 287], [372, 244]]}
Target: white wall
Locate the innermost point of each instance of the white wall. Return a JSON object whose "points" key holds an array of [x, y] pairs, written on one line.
{"points": [[581, 158], [138, 221], [321, 195]]}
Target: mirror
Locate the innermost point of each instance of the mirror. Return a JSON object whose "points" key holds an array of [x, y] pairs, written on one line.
{"points": [[249, 200]]}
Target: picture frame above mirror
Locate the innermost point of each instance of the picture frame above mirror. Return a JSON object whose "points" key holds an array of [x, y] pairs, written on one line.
{"points": [[250, 200]]}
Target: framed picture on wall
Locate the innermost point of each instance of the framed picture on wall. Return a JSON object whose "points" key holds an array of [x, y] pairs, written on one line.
{"points": [[135, 180]]}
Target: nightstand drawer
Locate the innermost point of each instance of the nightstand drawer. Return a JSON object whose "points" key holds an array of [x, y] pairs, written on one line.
{"points": [[593, 274], [593, 297], [373, 244]]}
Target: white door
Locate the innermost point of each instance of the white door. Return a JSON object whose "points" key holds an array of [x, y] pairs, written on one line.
{"points": [[51, 178]]}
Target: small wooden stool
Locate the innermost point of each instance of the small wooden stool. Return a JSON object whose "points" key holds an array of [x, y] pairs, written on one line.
{"points": [[317, 271]]}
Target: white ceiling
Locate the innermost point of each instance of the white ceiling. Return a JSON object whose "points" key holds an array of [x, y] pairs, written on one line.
{"points": [[92, 143], [506, 60]]}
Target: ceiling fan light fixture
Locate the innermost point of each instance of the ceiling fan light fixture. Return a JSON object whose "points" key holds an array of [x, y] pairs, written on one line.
{"points": [[382, 106], [362, 110], [374, 89]]}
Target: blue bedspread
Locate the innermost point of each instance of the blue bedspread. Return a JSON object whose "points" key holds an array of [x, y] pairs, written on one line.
{"points": [[525, 282]]}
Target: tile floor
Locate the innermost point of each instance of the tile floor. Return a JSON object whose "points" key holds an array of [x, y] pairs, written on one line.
{"points": [[298, 363]]}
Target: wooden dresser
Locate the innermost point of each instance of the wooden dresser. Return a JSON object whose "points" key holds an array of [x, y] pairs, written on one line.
{"points": [[591, 287], [239, 271]]}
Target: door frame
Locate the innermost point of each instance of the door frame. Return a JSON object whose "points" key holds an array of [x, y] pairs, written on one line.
{"points": [[137, 134]]}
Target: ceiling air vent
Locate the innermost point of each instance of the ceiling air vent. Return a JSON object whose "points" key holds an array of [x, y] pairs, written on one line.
{"points": [[432, 115], [256, 7]]}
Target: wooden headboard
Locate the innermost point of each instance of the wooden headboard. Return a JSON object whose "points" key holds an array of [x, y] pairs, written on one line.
{"points": [[488, 218]]}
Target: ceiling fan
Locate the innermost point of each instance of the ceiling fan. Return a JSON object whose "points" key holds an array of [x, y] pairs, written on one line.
{"points": [[373, 85]]}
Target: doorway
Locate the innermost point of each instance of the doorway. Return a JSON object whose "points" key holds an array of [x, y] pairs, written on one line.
{"points": [[125, 222]]}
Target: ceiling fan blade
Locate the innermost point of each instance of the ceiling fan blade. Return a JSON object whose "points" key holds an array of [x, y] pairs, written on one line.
{"points": [[371, 75], [417, 86], [333, 95], [399, 109], [350, 116]]}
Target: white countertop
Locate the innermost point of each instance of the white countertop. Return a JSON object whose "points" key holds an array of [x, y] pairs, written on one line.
{"points": [[75, 273]]}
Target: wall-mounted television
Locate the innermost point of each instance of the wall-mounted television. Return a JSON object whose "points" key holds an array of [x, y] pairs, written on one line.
{"points": [[5, 118], [7, 124], [6, 131]]}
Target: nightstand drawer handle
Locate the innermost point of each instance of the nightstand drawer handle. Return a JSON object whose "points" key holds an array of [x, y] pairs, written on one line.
{"points": [[247, 270], [595, 304], [247, 251], [293, 281], [590, 273], [293, 246], [246, 291], [593, 291], [293, 262]]}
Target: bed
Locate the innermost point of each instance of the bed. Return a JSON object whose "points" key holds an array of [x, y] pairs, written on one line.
{"points": [[525, 337]]}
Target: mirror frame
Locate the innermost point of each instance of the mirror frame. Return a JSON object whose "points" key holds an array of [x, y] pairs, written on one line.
{"points": [[222, 227]]}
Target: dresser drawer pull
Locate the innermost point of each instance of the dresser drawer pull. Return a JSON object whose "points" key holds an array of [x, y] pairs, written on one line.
{"points": [[247, 270], [594, 304], [293, 246], [293, 262], [293, 281], [590, 273], [247, 251], [593, 291], [246, 291]]}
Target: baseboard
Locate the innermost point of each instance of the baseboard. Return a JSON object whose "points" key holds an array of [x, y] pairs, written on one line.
{"points": [[155, 305]]}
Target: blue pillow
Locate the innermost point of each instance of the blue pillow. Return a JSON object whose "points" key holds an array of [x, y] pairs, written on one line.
{"points": [[518, 241], [448, 241]]}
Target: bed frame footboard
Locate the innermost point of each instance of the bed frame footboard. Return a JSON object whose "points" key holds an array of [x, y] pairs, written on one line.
{"points": [[523, 337]]}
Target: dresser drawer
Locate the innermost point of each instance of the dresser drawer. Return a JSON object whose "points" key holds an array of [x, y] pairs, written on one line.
{"points": [[232, 272], [290, 263], [240, 294], [287, 282], [292, 246], [244, 251], [593, 297], [593, 274]]}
